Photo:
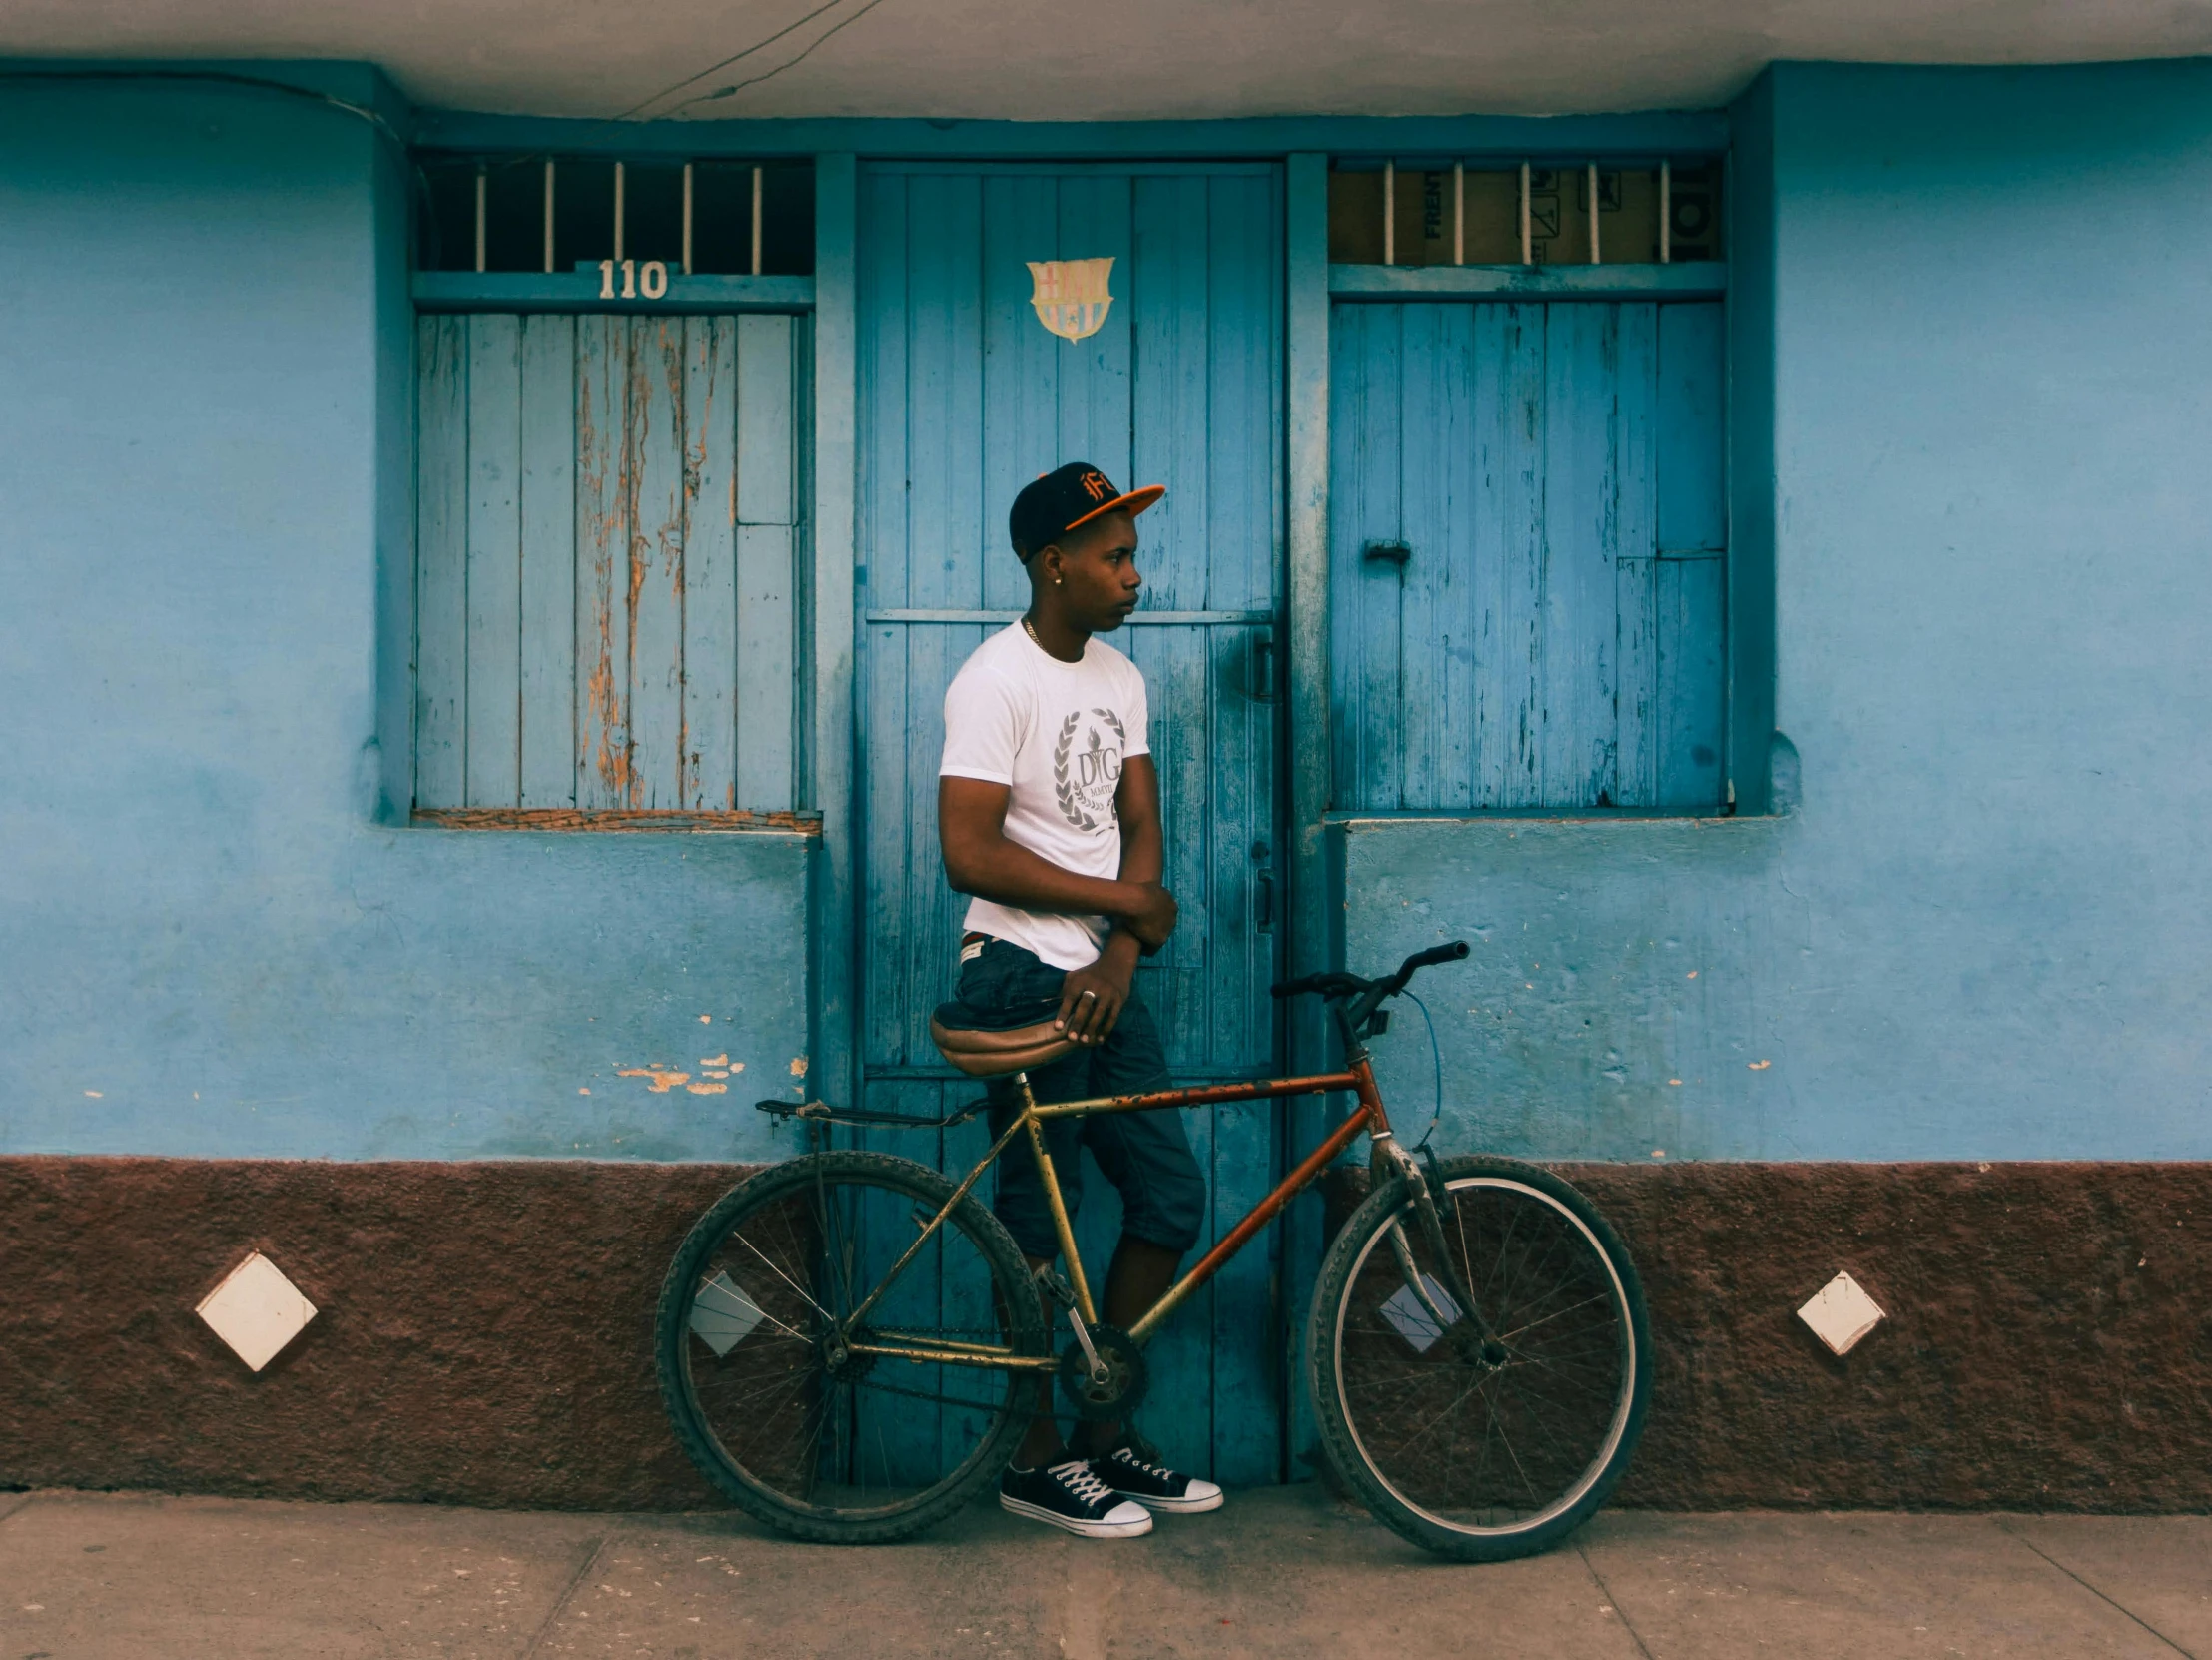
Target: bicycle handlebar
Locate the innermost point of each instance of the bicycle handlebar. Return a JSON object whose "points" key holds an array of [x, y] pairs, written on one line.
{"points": [[1338, 983]]}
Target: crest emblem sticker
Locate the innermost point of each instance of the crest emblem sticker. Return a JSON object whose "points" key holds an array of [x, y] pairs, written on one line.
{"points": [[1070, 296]]}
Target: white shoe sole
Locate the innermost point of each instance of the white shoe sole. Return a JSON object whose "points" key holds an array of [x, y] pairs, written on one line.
{"points": [[1076, 1525], [1176, 1506]]}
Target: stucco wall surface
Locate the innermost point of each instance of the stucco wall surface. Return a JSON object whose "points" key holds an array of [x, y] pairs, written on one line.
{"points": [[210, 946], [1980, 931]]}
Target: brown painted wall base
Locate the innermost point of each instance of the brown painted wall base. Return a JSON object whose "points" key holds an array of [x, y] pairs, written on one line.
{"points": [[486, 1334]]}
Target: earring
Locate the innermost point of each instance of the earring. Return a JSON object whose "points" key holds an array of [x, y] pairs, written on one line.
{"points": [[1055, 583]]}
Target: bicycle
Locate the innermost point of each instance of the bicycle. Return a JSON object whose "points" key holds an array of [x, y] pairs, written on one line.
{"points": [[849, 1344]]}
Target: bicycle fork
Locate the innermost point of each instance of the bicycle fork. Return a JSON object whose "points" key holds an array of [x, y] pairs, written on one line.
{"points": [[1387, 1159]]}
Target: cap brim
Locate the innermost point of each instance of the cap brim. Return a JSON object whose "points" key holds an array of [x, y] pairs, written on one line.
{"points": [[1132, 503]]}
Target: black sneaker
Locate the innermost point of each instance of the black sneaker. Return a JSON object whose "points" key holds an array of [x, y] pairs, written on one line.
{"points": [[1068, 1495], [1154, 1484]]}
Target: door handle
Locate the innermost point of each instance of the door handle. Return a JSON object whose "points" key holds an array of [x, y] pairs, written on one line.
{"points": [[1264, 669], [1264, 902], [1388, 554]]}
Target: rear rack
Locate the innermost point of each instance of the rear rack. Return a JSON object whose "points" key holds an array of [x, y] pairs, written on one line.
{"points": [[821, 1111]]}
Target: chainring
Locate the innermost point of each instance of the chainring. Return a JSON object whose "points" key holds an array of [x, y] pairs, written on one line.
{"points": [[1125, 1382]]}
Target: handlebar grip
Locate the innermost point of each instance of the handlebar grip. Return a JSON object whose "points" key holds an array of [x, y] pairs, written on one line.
{"points": [[1438, 954], [1292, 988]]}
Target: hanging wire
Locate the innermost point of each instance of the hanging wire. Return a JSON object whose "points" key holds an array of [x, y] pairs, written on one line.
{"points": [[1436, 1058]]}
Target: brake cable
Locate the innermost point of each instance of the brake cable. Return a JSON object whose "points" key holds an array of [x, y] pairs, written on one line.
{"points": [[1436, 1058]]}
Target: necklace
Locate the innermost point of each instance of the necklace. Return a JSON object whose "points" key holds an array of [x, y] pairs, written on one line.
{"points": [[1030, 629]]}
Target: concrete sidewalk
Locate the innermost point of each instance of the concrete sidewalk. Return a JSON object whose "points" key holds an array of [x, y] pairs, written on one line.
{"points": [[1281, 1572]]}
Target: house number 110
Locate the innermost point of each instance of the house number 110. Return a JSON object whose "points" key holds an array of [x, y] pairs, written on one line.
{"points": [[650, 280]]}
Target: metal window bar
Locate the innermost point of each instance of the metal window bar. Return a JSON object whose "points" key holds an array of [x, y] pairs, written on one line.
{"points": [[618, 205], [759, 193], [1666, 212], [482, 191], [687, 219], [1459, 213], [1528, 238], [548, 215], [1592, 176], [1389, 213]]}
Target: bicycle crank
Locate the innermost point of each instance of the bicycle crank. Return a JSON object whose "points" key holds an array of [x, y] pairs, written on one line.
{"points": [[1105, 1378]]}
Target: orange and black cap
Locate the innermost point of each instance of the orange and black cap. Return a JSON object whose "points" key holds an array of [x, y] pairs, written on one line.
{"points": [[1068, 497]]}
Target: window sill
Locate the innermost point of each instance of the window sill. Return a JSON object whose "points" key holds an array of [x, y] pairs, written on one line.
{"points": [[1690, 279], [579, 291], [618, 821]]}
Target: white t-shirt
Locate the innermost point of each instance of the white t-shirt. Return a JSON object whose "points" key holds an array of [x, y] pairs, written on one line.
{"points": [[1057, 734]]}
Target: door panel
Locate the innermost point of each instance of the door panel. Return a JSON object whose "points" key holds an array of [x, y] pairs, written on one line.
{"points": [[965, 398], [1528, 550]]}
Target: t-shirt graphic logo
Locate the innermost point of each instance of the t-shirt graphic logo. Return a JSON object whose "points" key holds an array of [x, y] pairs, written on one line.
{"points": [[1087, 770]]}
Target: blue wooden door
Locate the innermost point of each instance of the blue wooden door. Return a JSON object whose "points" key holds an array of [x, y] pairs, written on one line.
{"points": [[1527, 555], [965, 397]]}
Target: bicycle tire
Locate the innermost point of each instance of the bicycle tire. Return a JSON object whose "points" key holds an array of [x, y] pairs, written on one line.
{"points": [[781, 1477], [1376, 1365]]}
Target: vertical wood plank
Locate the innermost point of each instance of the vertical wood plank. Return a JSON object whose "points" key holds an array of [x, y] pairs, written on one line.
{"points": [[494, 723], [944, 515], [713, 422], [657, 559], [1097, 374], [603, 510], [1436, 703], [1306, 479], [1636, 683], [767, 410], [1021, 369], [1510, 356], [831, 539], [1690, 703], [1692, 506], [1635, 497], [1168, 298], [441, 555], [1378, 760], [766, 564], [548, 561], [1243, 526], [966, 1297], [886, 857], [1575, 764], [881, 390]]}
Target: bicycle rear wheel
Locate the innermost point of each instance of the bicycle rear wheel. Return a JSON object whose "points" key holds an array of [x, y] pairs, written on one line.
{"points": [[1481, 1452], [771, 1404]]}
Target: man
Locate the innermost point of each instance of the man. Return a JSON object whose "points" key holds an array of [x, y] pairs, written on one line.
{"points": [[1048, 809]]}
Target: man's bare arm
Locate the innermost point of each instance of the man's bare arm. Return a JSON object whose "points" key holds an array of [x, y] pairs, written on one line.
{"points": [[979, 860]]}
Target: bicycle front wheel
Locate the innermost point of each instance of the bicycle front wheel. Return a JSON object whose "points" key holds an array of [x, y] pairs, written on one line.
{"points": [[818, 1423], [1481, 1452]]}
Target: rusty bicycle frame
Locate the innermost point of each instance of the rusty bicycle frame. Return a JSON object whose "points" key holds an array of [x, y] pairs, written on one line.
{"points": [[1359, 1077]]}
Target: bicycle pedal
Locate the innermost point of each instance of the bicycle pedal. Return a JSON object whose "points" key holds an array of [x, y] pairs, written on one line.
{"points": [[1054, 1284]]}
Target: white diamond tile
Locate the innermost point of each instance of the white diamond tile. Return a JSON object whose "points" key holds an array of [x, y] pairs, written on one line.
{"points": [[723, 1315], [1841, 1313], [1412, 1318], [257, 1311]]}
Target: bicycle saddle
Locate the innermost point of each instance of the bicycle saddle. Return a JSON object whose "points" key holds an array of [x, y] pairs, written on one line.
{"points": [[985, 1051]]}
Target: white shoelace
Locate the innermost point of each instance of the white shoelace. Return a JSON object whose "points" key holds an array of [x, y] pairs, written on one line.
{"points": [[1122, 1455], [1076, 1476]]}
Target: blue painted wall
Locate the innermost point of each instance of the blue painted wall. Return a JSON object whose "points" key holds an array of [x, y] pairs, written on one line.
{"points": [[213, 939], [1980, 929]]}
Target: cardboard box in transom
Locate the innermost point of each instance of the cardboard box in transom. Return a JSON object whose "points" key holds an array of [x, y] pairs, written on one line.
{"points": [[1559, 215]]}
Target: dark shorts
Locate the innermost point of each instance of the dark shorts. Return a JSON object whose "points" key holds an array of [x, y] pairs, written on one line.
{"points": [[1146, 1156]]}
